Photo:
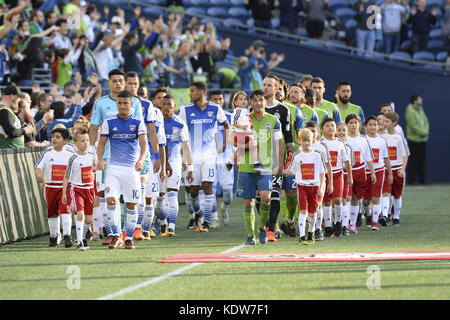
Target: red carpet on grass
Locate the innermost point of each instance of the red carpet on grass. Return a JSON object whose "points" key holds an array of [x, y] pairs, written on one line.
{"points": [[307, 257]]}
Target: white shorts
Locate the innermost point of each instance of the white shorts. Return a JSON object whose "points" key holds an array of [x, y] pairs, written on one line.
{"points": [[153, 181], [174, 181], [123, 180], [204, 171], [225, 177]]}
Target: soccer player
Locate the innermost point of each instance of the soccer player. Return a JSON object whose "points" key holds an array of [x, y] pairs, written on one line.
{"points": [[398, 156], [297, 97], [381, 162], [308, 167], [282, 112], [124, 132], [339, 160], [149, 174], [330, 108], [80, 174], [225, 175], [268, 131], [201, 117], [363, 160], [104, 108], [50, 171], [345, 107], [177, 140]]}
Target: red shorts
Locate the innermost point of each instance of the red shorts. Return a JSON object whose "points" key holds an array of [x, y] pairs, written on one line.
{"points": [[338, 185], [55, 207], [82, 200], [359, 182], [308, 199], [387, 188], [346, 190], [397, 184], [374, 190]]}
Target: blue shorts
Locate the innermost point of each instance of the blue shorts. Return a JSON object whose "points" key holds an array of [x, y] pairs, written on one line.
{"points": [[289, 183], [249, 182]]}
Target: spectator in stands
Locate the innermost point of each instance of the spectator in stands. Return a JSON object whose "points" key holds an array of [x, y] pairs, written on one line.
{"points": [[59, 117], [133, 41], [262, 11], [11, 130], [61, 40], [289, 15], [316, 14], [365, 35], [26, 118], [50, 17], [445, 9], [392, 13], [421, 21], [37, 22], [181, 61], [417, 134]]}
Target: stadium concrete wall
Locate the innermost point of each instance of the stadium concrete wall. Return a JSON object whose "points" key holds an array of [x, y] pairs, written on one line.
{"points": [[22, 203], [373, 82]]}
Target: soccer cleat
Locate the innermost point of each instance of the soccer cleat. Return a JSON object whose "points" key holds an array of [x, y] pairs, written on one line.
{"points": [[215, 224], [271, 236], [338, 229], [96, 236], [204, 227], [88, 234], [383, 221], [250, 241], [123, 236], [345, 231], [284, 228], [228, 166], [81, 247], [292, 231], [85, 244], [138, 234], [374, 227], [262, 235], [318, 236], [303, 241], [359, 220], [163, 231], [170, 232], [197, 225], [121, 242], [352, 229], [108, 240], [395, 222], [114, 242], [146, 235], [53, 242], [310, 239], [368, 221], [328, 232], [68, 241], [191, 224], [277, 234], [129, 244], [152, 233]]}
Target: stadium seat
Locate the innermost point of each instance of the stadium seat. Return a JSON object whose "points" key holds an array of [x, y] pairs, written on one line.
{"points": [[435, 46], [333, 5], [216, 23], [312, 43], [161, 3], [394, 56], [196, 11], [237, 3], [442, 56], [424, 56], [200, 3], [302, 33], [152, 12], [221, 3], [239, 13], [406, 45], [345, 14], [217, 12], [233, 22], [433, 66], [436, 34]]}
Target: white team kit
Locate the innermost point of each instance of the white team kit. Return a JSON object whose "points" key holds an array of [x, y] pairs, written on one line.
{"points": [[303, 164]]}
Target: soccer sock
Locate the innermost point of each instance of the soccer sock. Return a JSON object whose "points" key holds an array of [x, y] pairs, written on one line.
{"points": [[227, 196], [367, 211], [337, 213], [274, 209], [195, 203], [345, 215], [214, 215], [319, 215], [209, 203], [376, 212], [327, 215], [391, 203], [172, 198], [354, 214], [397, 207], [53, 225], [141, 207], [160, 208], [264, 212], [79, 228], [148, 217], [112, 219], [284, 211], [104, 213], [131, 223], [385, 205], [66, 223], [301, 224], [85, 229], [187, 199], [201, 196], [123, 210], [291, 204], [249, 220], [96, 219], [311, 223]]}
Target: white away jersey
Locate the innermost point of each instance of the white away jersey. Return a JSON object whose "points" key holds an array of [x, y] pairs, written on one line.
{"points": [[307, 167], [337, 151], [379, 148], [53, 164], [80, 170], [176, 133], [396, 149], [361, 152], [240, 116]]}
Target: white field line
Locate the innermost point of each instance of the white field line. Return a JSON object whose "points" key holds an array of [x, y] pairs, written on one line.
{"points": [[160, 278]]}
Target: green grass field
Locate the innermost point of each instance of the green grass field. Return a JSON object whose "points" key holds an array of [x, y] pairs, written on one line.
{"points": [[31, 270]]}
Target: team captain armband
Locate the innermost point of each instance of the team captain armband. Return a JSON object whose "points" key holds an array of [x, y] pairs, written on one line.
{"points": [[157, 155]]}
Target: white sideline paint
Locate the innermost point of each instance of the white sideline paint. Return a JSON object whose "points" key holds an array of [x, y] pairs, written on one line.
{"points": [[160, 278]]}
